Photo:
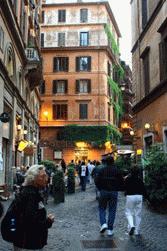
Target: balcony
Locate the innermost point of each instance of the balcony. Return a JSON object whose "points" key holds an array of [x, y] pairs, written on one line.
{"points": [[32, 54], [33, 67]]}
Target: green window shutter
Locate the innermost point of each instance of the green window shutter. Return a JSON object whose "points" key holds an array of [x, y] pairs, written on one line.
{"points": [[66, 85], [163, 60], [77, 63], [54, 89], [42, 88], [83, 111], [42, 39], [77, 86], [61, 15], [89, 63], [64, 112], [55, 61], [43, 16], [89, 85], [66, 64], [54, 111], [83, 15], [109, 69]]}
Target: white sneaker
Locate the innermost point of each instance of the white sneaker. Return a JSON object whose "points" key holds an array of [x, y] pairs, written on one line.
{"points": [[103, 228], [110, 232]]}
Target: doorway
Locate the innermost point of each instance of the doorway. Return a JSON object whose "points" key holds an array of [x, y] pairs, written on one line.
{"points": [[80, 154]]}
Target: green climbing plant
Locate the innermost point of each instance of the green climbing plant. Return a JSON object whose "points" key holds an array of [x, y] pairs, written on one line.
{"points": [[116, 92], [110, 36], [120, 71], [91, 134]]}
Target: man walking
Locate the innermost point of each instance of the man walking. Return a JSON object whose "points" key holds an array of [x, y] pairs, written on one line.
{"points": [[109, 182]]}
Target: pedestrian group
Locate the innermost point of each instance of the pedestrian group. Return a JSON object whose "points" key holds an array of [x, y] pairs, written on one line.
{"points": [[26, 221]]}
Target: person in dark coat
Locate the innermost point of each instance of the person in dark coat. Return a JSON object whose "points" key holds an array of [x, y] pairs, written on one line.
{"points": [[94, 174], [108, 181], [134, 191], [63, 165], [32, 234]]}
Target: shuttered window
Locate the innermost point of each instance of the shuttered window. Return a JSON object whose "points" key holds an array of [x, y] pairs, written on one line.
{"points": [[146, 73], [144, 13], [60, 86], [109, 90], [43, 17], [61, 15], [116, 77], [1, 38], [42, 88], [83, 63], [83, 15], [83, 86], [60, 64], [163, 59], [108, 68], [42, 39], [61, 39], [60, 111], [83, 111], [109, 113]]}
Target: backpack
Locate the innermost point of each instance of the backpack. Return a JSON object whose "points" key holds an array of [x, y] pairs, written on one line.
{"points": [[11, 222]]}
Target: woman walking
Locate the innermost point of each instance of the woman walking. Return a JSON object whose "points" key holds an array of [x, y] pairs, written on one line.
{"points": [[134, 191]]}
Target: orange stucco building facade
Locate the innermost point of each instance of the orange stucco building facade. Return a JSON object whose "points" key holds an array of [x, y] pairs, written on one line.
{"points": [[77, 61]]}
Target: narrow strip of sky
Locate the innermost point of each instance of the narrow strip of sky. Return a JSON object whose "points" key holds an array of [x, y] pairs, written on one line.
{"points": [[122, 13]]}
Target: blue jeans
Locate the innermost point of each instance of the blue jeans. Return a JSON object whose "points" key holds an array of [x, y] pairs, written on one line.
{"points": [[108, 199]]}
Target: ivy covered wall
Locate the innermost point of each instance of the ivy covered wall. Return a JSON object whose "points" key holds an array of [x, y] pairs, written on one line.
{"points": [[96, 134]]}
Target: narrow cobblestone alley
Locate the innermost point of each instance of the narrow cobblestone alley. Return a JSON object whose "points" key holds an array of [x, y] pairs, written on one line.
{"points": [[76, 227]]}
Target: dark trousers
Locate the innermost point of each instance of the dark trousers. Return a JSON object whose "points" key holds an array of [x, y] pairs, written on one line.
{"points": [[83, 182]]}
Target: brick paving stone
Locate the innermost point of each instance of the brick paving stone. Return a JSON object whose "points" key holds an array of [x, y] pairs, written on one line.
{"points": [[77, 220]]}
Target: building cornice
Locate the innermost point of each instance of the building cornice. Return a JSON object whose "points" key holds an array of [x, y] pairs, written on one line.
{"points": [[107, 5], [71, 24], [158, 91], [148, 25], [84, 48]]}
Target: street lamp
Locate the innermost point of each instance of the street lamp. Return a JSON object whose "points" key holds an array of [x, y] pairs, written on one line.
{"points": [[45, 113], [132, 133], [150, 128], [147, 126]]}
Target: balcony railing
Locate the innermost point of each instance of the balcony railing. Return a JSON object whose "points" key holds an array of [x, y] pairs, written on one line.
{"points": [[32, 54]]}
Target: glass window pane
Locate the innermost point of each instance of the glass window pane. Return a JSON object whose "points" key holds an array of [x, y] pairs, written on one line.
{"points": [[83, 64], [84, 38]]}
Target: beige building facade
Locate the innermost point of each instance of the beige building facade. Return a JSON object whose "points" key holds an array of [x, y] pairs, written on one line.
{"points": [[149, 69], [20, 74]]}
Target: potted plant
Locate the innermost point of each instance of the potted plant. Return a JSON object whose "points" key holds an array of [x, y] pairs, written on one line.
{"points": [[58, 186], [71, 179]]}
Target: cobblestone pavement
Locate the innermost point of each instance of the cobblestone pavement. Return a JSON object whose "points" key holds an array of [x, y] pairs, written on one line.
{"points": [[76, 222]]}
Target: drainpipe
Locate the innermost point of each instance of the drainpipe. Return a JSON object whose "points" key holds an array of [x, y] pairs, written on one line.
{"points": [[140, 94]]}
